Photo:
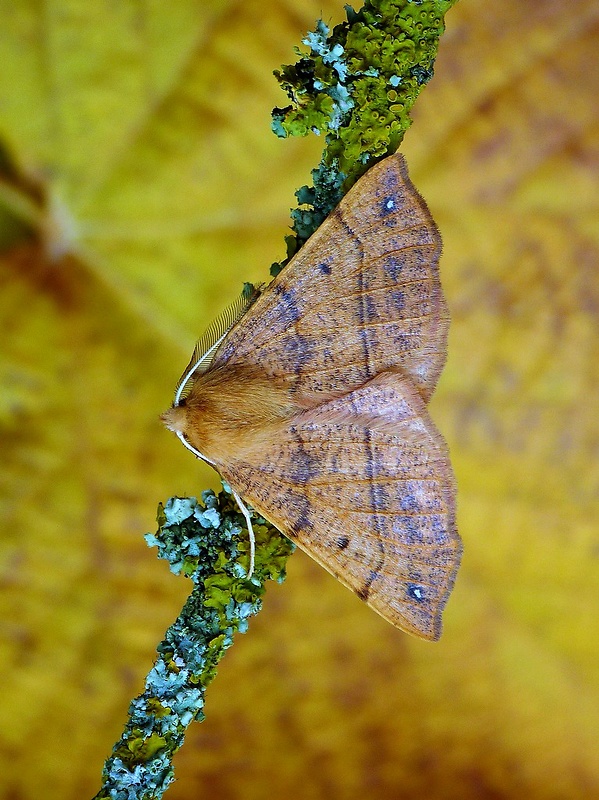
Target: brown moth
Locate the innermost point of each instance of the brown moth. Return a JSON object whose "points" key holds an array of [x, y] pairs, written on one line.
{"points": [[312, 403]]}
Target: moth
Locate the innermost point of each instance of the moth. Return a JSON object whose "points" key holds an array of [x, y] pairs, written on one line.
{"points": [[311, 402]]}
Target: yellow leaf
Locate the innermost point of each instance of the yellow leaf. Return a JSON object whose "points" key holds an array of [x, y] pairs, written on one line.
{"points": [[144, 168]]}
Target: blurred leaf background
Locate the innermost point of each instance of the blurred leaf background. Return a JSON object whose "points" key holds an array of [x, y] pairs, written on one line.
{"points": [[140, 187]]}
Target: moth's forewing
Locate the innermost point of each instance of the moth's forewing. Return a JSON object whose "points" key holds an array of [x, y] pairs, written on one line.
{"points": [[364, 485], [361, 296]]}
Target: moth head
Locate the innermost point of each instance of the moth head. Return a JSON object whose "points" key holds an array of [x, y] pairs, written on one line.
{"points": [[175, 419]]}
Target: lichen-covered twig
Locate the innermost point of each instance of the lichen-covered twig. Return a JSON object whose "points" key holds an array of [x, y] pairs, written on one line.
{"points": [[206, 542], [356, 85]]}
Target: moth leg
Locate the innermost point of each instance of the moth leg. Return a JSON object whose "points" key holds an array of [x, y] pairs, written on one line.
{"points": [[248, 519]]}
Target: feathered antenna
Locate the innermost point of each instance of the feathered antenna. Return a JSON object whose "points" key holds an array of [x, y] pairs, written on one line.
{"points": [[207, 345]]}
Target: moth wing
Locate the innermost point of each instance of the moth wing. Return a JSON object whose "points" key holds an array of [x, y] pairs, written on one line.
{"points": [[361, 296], [364, 485]]}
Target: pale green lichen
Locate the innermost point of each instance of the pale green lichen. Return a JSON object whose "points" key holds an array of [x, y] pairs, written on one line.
{"points": [[206, 541]]}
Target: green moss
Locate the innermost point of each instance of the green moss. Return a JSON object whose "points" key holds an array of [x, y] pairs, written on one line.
{"points": [[356, 85], [143, 748]]}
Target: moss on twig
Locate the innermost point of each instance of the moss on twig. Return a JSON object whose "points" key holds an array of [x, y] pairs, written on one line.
{"points": [[356, 85]]}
